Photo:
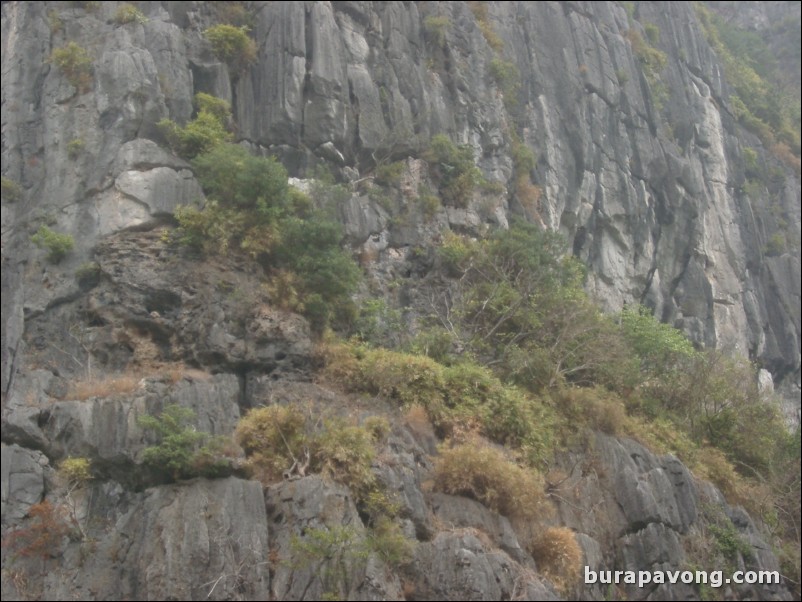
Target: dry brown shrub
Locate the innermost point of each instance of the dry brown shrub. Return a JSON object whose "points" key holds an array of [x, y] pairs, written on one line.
{"points": [[558, 556], [104, 386], [485, 474]]}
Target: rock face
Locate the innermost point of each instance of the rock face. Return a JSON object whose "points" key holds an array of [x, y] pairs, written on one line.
{"points": [[647, 182]]}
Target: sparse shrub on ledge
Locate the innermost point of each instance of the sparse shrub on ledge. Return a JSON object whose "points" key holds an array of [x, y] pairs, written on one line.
{"points": [[128, 13], [232, 45], [57, 245], [485, 474], [75, 63], [182, 451]]}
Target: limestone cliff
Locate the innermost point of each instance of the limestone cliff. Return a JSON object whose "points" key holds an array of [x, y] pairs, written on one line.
{"points": [[646, 173]]}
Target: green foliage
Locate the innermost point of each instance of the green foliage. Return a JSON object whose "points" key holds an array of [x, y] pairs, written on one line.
{"points": [[235, 178], [75, 471], [201, 135], [455, 396], [57, 245], [507, 77], [520, 306], [652, 33], [388, 542], [435, 28], [345, 453], [483, 473], [88, 274], [182, 451], [652, 62], [761, 104], [75, 63], [75, 147], [454, 169], [233, 13], [376, 323], [252, 209], [232, 45], [479, 10], [389, 174], [55, 22], [128, 13], [659, 346], [11, 191], [218, 107], [337, 553], [729, 542], [776, 245]]}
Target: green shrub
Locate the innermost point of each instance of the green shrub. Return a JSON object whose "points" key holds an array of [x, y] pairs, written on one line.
{"points": [[486, 475], [88, 274], [232, 45], [776, 245], [253, 210], [75, 63], [75, 147], [389, 174], [128, 13], [507, 77], [435, 28], [57, 245], [453, 168], [387, 540], [11, 191], [182, 451], [218, 107], [201, 135], [479, 10], [273, 438], [75, 471]]}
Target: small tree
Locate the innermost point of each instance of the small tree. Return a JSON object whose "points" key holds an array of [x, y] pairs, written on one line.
{"points": [[182, 452], [76, 64], [57, 245], [232, 45]]}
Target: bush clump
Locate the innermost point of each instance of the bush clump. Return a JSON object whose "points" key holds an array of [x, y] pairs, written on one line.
{"points": [[11, 191], [75, 63], [57, 245], [208, 130], [484, 474], [128, 13], [182, 451], [232, 45], [282, 440], [454, 169], [558, 557]]}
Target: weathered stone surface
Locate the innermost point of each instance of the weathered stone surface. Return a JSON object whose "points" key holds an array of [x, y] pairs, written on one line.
{"points": [[459, 566], [315, 523], [22, 481]]}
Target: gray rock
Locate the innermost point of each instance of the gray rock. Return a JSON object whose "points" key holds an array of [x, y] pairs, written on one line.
{"points": [[22, 482]]}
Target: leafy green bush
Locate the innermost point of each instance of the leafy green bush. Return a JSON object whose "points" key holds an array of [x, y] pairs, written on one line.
{"points": [[232, 45], [483, 473], [252, 209], [75, 63], [453, 168], [57, 245], [660, 347], [75, 471], [200, 135], [182, 451], [507, 77], [218, 107], [11, 191], [128, 13]]}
